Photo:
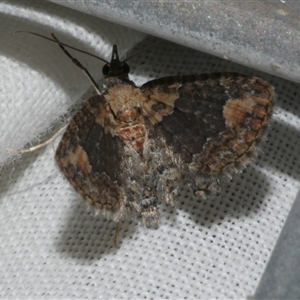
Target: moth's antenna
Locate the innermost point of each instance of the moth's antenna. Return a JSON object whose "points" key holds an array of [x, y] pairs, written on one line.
{"points": [[63, 44], [78, 64], [138, 52]]}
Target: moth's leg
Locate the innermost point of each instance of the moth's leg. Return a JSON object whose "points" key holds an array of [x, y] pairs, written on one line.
{"points": [[39, 146], [170, 181], [79, 65], [116, 244], [149, 212], [203, 188]]}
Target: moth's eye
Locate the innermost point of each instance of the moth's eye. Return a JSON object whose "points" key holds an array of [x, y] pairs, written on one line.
{"points": [[126, 69], [105, 69]]}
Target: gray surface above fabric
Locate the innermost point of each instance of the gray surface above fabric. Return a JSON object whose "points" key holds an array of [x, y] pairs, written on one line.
{"points": [[263, 35]]}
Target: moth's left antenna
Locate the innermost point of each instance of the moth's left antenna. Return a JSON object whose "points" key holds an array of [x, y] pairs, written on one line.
{"points": [[74, 60], [63, 44]]}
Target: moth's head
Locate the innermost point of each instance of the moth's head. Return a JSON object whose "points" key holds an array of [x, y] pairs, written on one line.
{"points": [[115, 67]]}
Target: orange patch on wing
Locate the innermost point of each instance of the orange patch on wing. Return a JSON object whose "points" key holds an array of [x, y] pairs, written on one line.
{"points": [[235, 111], [155, 98], [80, 159]]}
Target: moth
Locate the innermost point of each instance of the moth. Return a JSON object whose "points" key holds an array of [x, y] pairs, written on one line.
{"points": [[131, 147]]}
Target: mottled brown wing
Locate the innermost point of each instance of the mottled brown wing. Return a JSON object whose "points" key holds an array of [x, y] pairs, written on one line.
{"points": [[208, 124], [95, 162]]}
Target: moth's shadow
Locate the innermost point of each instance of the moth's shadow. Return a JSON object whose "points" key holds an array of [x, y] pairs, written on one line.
{"points": [[241, 196], [247, 191], [283, 143], [87, 236]]}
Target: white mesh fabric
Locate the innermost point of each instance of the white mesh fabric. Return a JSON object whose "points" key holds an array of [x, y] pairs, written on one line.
{"points": [[51, 244]]}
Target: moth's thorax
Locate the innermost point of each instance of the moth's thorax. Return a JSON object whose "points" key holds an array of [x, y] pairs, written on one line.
{"points": [[124, 100]]}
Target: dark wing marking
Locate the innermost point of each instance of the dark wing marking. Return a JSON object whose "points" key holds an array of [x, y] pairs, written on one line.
{"points": [[209, 123], [97, 163]]}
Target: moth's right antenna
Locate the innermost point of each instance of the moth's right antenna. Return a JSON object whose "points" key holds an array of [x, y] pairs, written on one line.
{"points": [[63, 44], [78, 64]]}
